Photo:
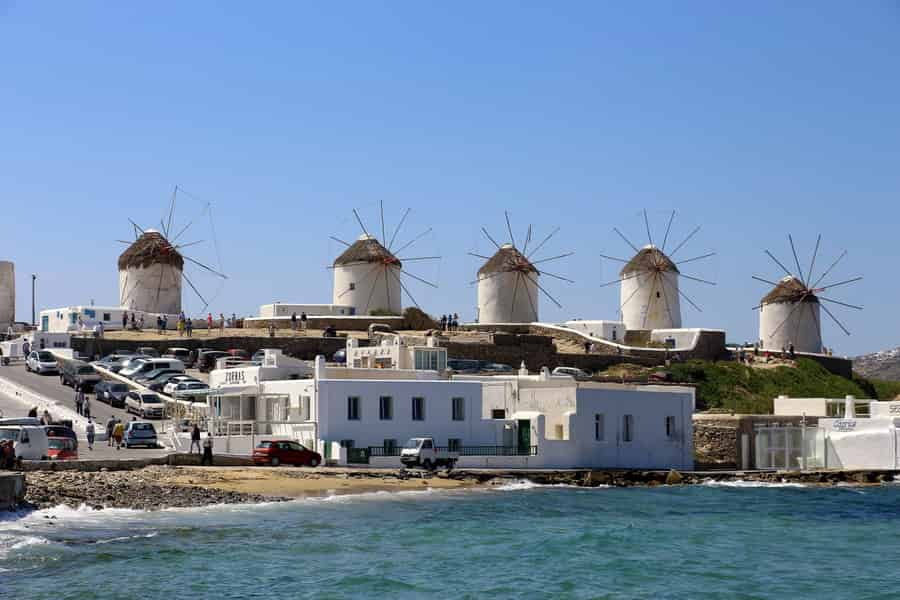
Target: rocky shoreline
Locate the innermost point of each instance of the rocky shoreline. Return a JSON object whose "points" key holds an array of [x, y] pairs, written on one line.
{"points": [[158, 487]]}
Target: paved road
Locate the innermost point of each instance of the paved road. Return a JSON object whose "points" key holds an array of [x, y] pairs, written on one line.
{"points": [[50, 387]]}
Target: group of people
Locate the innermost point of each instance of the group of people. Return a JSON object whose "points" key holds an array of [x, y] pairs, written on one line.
{"points": [[449, 322], [8, 455], [302, 323], [82, 402], [207, 443], [45, 418], [137, 324]]}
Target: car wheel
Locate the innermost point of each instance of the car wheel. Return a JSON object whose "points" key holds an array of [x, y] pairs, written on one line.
{"points": [[314, 461], [275, 461]]}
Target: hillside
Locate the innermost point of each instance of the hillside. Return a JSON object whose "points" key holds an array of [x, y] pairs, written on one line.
{"points": [[884, 365], [733, 386]]}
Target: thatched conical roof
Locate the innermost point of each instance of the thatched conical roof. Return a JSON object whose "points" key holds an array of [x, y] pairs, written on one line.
{"points": [[508, 258], [366, 249], [149, 249], [789, 289], [649, 258]]}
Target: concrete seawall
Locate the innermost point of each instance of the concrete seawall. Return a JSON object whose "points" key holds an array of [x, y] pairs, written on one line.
{"points": [[12, 489]]}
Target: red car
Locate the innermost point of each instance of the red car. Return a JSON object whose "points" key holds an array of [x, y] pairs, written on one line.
{"points": [[288, 452], [61, 448]]}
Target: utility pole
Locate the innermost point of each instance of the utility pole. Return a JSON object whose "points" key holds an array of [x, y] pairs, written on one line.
{"points": [[33, 279]]}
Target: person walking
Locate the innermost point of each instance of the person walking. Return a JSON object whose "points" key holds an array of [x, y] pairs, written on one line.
{"points": [[133, 325], [195, 439], [118, 433], [89, 431], [294, 323], [207, 450], [79, 400], [189, 327], [304, 324], [124, 320], [165, 324], [208, 323], [221, 323], [33, 413], [110, 425], [141, 323], [86, 407], [443, 322]]}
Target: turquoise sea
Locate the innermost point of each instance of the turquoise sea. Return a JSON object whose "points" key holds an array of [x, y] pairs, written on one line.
{"points": [[514, 541]]}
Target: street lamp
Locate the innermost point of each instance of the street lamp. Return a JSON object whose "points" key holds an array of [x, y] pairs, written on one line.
{"points": [[33, 279]]}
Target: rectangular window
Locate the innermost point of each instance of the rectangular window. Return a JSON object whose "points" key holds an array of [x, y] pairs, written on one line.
{"points": [[670, 427], [106, 316], [459, 409], [498, 413], [304, 408], [599, 433], [418, 409], [353, 408], [454, 445], [628, 428], [385, 408], [390, 447], [347, 444]]}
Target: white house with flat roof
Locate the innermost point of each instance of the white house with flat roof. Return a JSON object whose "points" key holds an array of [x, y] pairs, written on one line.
{"points": [[364, 415], [73, 319], [391, 352]]}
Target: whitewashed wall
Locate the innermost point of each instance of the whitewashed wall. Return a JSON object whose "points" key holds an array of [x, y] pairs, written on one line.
{"points": [[379, 289], [496, 294], [269, 311], [613, 331], [155, 289], [802, 327], [648, 305]]}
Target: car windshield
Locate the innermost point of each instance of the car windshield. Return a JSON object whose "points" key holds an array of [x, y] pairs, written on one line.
{"points": [[412, 443], [45, 357], [264, 445], [9, 434], [150, 399]]}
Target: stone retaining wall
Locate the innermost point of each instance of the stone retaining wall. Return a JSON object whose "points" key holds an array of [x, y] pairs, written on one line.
{"points": [[717, 437]]}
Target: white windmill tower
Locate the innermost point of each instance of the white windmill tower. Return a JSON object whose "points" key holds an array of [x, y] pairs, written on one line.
{"points": [[650, 295], [789, 315], [509, 282], [151, 269], [7, 293], [368, 275]]}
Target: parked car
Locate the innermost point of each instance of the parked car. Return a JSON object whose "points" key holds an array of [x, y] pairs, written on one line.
{"points": [[169, 388], [29, 441], [182, 354], [61, 431], [463, 365], [148, 351], [340, 357], [258, 356], [78, 374], [239, 354], [379, 328], [573, 372], [288, 452], [193, 358], [423, 452], [131, 362], [497, 368], [159, 384], [152, 364], [112, 392], [157, 375], [206, 362], [192, 391], [62, 448], [145, 405], [41, 362], [140, 433]]}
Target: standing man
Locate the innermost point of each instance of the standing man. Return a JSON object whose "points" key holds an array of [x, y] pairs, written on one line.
{"points": [[124, 320], [208, 323], [118, 433], [86, 407], [294, 322], [110, 425], [89, 430], [303, 321], [189, 327], [207, 450], [222, 323], [79, 400], [195, 439]]}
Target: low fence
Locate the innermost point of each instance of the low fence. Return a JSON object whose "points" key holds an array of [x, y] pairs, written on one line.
{"points": [[362, 455]]}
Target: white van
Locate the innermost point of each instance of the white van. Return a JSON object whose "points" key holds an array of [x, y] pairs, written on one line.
{"points": [[30, 441], [151, 365]]}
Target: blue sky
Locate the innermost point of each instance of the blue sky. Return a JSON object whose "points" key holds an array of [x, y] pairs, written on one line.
{"points": [[753, 120]]}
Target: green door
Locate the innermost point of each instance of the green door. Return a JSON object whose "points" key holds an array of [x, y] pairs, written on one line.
{"points": [[524, 437]]}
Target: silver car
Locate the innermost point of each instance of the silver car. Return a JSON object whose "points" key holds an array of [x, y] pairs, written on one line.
{"points": [[41, 362], [140, 433]]}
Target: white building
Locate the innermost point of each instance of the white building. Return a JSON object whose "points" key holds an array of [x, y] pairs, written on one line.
{"points": [[75, 319], [789, 315], [367, 277], [7, 293], [508, 288], [282, 310], [649, 296], [505, 421], [392, 353], [150, 272], [613, 331]]}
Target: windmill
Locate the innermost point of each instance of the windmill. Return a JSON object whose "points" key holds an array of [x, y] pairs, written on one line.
{"points": [[368, 275], [152, 268], [509, 282], [650, 295], [789, 315]]}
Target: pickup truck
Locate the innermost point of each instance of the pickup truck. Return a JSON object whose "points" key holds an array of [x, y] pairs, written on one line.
{"points": [[422, 452]]}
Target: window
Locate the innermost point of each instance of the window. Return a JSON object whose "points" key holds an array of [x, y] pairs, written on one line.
{"points": [[599, 433], [385, 408], [390, 447], [454, 445], [498, 413], [418, 409], [106, 316], [352, 286], [428, 360], [459, 409], [670, 427], [353, 408], [304, 408], [627, 428]]}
